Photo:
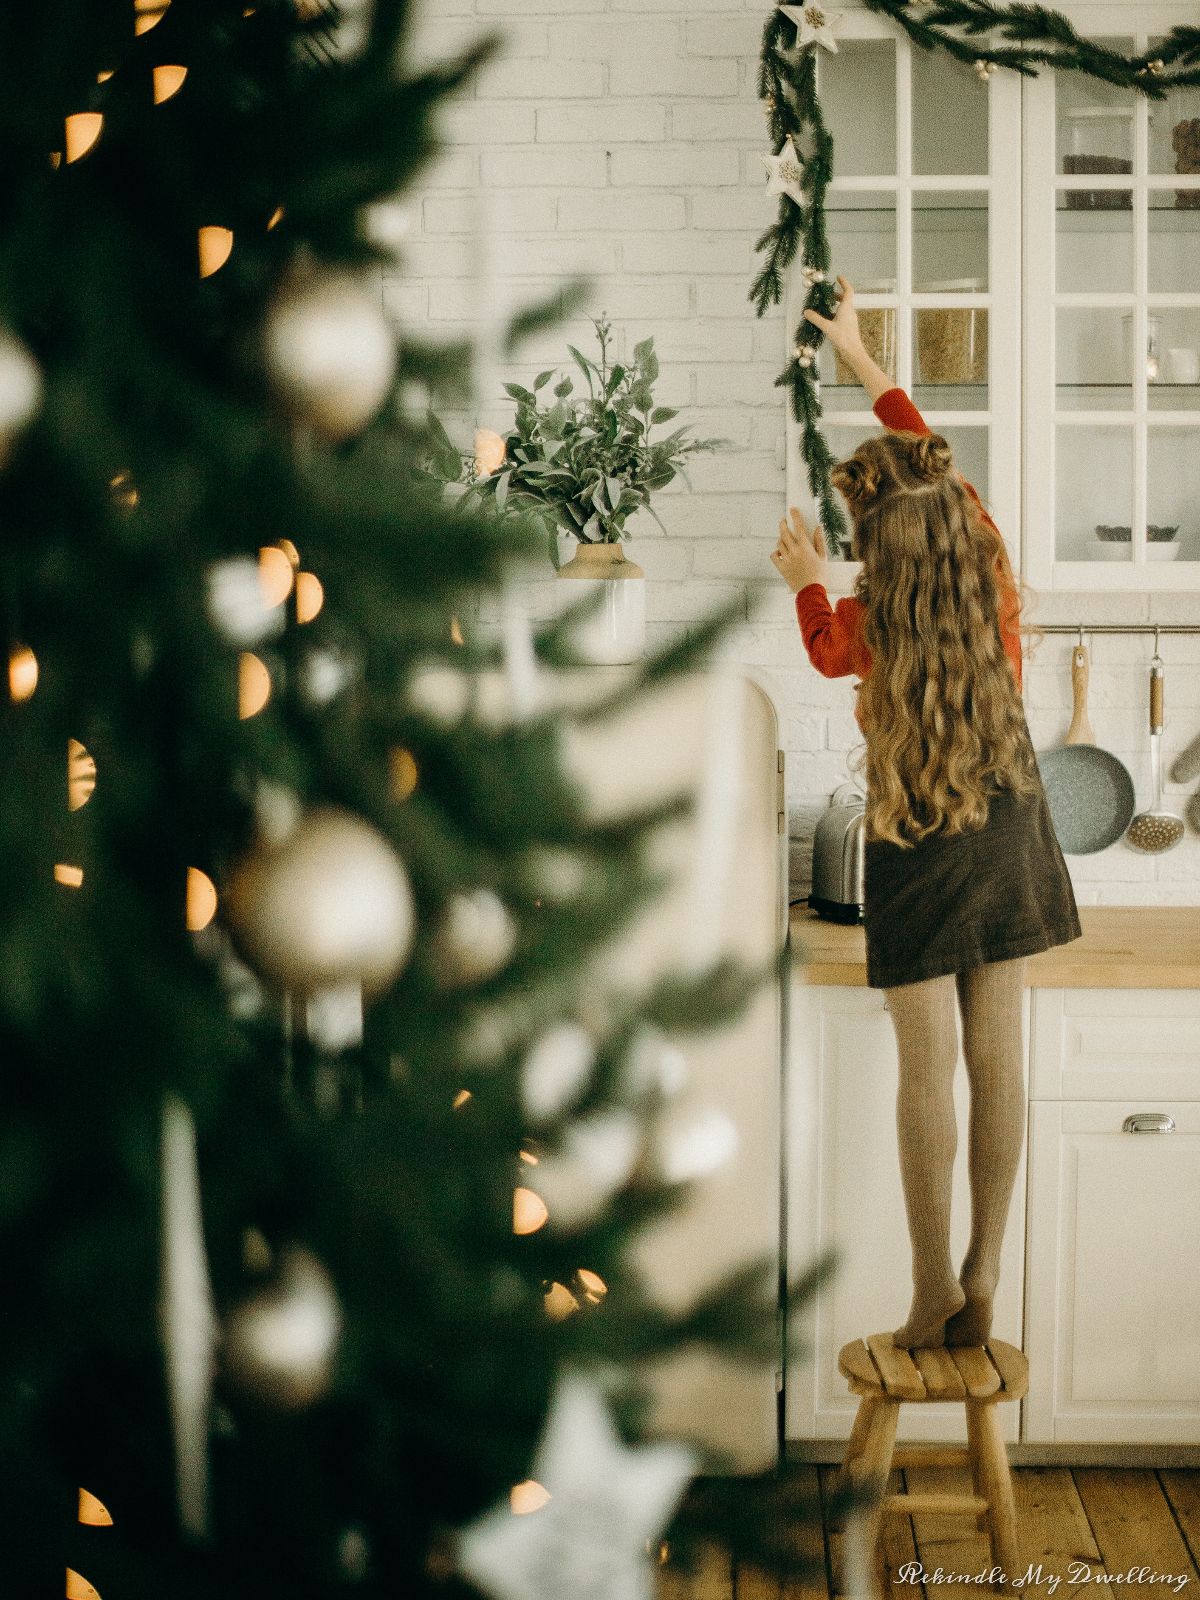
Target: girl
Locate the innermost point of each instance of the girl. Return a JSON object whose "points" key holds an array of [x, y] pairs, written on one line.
{"points": [[964, 876]]}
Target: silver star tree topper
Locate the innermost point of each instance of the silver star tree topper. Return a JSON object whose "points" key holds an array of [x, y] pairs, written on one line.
{"points": [[588, 1540]]}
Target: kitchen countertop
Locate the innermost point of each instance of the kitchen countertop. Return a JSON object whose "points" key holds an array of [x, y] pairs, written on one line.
{"points": [[1123, 947]]}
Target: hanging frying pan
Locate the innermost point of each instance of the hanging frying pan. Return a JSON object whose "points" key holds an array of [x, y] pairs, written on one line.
{"points": [[1089, 791]]}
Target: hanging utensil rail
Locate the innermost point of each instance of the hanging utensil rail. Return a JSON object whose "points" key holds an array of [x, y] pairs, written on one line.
{"points": [[1116, 627]]}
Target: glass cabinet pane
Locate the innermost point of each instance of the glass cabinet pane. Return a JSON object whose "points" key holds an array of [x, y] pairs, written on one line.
{"points": [[861, 225], [1093, 250], [950, 241], [1177, 386], [1172, 494], [949, 116], [863, 73], [1173, 242], [1093, 471], [1093, 352], [970, 447]]}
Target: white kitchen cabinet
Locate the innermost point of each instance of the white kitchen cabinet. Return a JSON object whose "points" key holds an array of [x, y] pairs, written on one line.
{"points": [[843, 1188], [1113, 1246], [1044, 315]]}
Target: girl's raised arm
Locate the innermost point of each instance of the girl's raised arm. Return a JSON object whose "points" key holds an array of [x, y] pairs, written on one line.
{"points": [[842, 332]]}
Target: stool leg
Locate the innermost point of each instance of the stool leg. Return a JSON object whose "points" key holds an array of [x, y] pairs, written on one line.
{"points": [[867, 1408], [996, 1484], [975, 1453], [871, 1467]]}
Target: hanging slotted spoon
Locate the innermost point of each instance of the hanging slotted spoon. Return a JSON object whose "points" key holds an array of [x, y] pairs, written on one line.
{"points": [[1156, 830]]}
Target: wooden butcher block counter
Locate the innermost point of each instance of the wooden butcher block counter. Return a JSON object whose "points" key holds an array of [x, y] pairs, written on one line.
{"points": [[1123, 947]]}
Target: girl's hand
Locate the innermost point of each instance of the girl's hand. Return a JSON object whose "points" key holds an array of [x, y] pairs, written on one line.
{"points": [[842, 328], [799, 557]]}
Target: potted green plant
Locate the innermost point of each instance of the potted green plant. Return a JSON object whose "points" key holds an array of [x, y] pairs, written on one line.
{"points": [[586, 463]]}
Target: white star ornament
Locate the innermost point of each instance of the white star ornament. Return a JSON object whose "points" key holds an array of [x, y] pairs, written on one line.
{"points": [[785, 172], [814, 25], [588, 1540]]}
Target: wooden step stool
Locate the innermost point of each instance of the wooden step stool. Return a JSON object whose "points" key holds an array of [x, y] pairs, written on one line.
{"points": [[981, 1376]]}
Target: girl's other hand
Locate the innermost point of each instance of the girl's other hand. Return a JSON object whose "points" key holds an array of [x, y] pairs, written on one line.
{"points": [[799, 557], [842, 328]]}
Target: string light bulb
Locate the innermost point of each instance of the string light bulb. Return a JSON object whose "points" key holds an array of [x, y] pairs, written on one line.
{"points": [[200, 900], [78, 1588], [275, 218], [529, 1211], [22, 673], [215, 246], [70, 877], [168, 80], [461, 1098], [148, 14], [93, 1513], [254, 685], [82, 129], [594, 1286], [310, 596], [403, 773], [559, 1302], [276, 575], [81, 775], [526, 1497]]}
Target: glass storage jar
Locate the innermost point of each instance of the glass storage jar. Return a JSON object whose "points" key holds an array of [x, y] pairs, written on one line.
{"points": [[1097, 136], [952, 341]]}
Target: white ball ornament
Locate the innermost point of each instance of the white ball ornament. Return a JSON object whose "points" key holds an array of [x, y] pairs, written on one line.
{"points": [[694, 1142], [279, 1345], [328, 904], [555, 1071], [474, 938], [20, 391], [330, 352]]}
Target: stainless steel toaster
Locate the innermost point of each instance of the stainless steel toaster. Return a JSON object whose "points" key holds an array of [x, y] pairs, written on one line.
{"points": [[837, 872]]}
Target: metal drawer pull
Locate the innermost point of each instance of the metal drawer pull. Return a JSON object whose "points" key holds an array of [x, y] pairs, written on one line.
{"points": [[1148, 1122]]}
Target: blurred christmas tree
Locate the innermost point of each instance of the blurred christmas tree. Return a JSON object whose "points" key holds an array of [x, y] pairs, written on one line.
{"points": [[295, 918]]}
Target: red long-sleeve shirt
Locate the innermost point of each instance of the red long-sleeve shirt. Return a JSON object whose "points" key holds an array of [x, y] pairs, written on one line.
{"points": [[833, 635]]}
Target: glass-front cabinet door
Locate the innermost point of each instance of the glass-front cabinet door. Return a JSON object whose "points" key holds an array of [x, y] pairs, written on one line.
{"points": [[1112, 322], [923, 219]]}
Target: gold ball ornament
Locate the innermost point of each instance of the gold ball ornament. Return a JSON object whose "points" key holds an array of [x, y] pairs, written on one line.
{"points": [[330, 352], [20, 391], [279, 1345], [328, 904]]}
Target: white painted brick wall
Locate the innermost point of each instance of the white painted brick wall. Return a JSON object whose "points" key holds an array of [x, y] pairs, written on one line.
{"points": [[621, 138]]}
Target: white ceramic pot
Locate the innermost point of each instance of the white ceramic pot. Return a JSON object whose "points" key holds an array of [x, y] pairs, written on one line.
{"points": [[616, 633]]}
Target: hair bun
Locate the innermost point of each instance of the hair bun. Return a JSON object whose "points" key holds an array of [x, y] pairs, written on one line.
{"points": [[858, 479], [931, 458]]}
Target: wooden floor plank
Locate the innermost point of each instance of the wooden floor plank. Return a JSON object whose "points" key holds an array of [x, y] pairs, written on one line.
{"points": [[1134, 1526], [1182, 1489], [898, 1546], [949, 1542], [752, 1583], [1107, 1518], [811, 1542], [1054, 1531]]}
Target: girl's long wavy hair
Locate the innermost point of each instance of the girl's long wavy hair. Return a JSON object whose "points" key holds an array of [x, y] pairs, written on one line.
{"points": [[944, 719]]}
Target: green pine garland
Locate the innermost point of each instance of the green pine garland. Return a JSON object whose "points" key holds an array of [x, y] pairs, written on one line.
{"points": [[986, 36]]}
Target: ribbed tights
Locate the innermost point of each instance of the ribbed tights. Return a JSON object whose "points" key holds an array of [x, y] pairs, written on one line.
{"points": [[947, 1309]]}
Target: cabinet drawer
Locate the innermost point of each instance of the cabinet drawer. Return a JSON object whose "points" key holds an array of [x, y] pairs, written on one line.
{"points": [[1110, 1044]]}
